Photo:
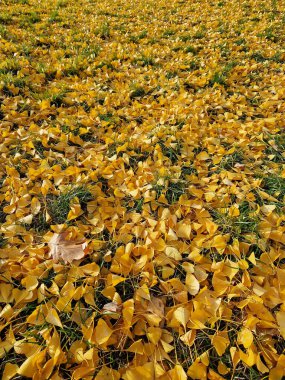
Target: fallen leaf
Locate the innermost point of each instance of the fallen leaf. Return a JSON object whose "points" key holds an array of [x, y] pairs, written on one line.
{"points": [[67, 250]]}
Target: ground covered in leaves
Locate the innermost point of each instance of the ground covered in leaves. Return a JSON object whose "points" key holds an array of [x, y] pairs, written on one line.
{"points": [[142, 174]]}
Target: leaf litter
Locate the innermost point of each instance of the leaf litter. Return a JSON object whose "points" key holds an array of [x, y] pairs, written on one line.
{"points": [[142, 187]]}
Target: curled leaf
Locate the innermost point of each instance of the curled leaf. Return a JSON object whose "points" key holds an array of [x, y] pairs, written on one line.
{"points": [[112, 308]]}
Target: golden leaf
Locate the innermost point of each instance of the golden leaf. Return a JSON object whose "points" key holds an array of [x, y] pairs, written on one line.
{"points": [[102, 332], [53, 318]]}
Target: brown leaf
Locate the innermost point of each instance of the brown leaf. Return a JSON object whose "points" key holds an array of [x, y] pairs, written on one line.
{"points": [[112, 307], [156, 306], [67, 250]]}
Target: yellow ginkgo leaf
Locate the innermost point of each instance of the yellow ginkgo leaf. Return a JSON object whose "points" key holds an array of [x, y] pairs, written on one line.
{"points": [[220, 343], [35, 206], [53, 318], [102, 332], [10, 370], [197, 371], [192, 284], [245, 337], [75, 211]]}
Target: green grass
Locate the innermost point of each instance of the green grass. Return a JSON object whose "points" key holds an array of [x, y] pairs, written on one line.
{"points": [[10, 66], [3, 31], [5, 18], [134, 205], [137, 92], [191, 49], [228, 162], [104, 31], [199, 35], [187, 170], [275, 146], [258, 57], [173, 153], [138, 37], [54, 16], [12, 80], [275, 186], [168, 33], [144, 61], [220, 77], [59, 207], [3, 241], [236, 226], [172, 189]]}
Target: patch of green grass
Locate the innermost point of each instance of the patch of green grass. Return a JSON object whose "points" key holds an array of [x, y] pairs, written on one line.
{"points": [[275, 186], [11, 357], [138, 37], [136, 156], [126, 289], [48, 71], [186, 37], [137, 92], [199, 35], [5, 18], [29, 19], [106, 116], [134, 205], [39, 148], [144, 61], [104, 31], [3, 32], [114, 358], [229, 161], [258, 57], [10, 66], [70, 332], [168, 33], [172, 152], [182, 352], [3, 241], [90, 52], [192, 66], [270, 35], [34, 18], [54, 16], [278, 57], [62, 4], [2, 213], [174, 190], [59, 207], [218, 78], [276, 147], [236, 226], [74, 68], [10, 79], [188, 170], [177, 48], [158, 189], [240, 41], [57, 99], [171, 74], [191, 49]]}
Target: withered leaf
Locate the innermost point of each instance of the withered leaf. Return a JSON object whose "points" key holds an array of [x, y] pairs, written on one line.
{"points": [[61, 248]]}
